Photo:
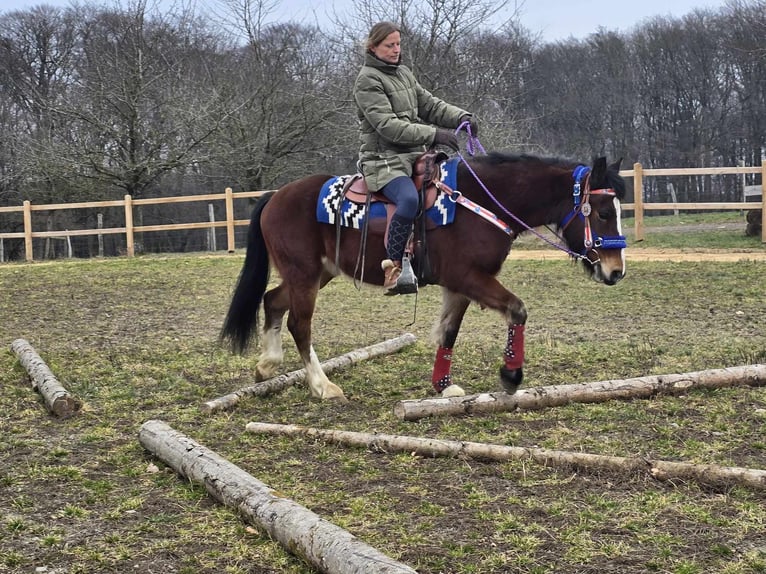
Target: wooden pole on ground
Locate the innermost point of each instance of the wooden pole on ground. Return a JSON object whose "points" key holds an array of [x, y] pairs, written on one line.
{"points": [[280, 383], [557, 395], [57, 398], [710, 474], [326, 546]]}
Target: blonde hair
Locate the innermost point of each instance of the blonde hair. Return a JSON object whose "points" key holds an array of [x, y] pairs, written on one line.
{"points": [[380, 32]]}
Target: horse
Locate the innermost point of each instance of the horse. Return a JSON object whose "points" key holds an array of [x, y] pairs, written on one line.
{"points": [[506, 195]]}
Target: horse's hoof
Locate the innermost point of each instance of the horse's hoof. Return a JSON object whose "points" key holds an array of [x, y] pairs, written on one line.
{"points": [[510, 379], [265, 371], [333, 392], [453, 391]]}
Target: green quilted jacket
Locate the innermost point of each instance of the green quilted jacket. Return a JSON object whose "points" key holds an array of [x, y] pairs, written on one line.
{"points": [[397, 118]]}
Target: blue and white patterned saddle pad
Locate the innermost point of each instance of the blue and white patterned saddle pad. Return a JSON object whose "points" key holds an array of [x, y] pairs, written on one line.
{"points": [[354, 214]]}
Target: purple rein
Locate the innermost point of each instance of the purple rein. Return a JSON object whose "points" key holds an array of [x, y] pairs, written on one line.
{"points": [[582, 209]]}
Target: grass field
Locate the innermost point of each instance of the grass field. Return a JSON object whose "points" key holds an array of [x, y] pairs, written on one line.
{"points": [[135, 339]]}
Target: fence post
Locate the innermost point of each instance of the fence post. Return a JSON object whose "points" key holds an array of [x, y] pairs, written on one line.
{"points": [[211, 243], [48, 240], [230, 220], [763, 201], [100, 225], [28, 230], [131, 251], [638, 200]]}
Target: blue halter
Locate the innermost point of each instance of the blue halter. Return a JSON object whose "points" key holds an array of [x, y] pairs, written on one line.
{"points": [[582, 210]]}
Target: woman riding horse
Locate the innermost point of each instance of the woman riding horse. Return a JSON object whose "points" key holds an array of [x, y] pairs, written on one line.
{"points": [[391, 106]]}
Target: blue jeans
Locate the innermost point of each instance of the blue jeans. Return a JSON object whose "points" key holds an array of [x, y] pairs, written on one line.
{"points": [[404, 194]]}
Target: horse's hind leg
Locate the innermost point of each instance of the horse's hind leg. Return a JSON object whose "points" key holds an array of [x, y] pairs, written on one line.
{"points": [[276, 302], [445, 332], [275, 305], [302, 302]]}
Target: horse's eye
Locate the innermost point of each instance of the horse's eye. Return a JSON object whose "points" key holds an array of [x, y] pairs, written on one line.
{"points": [[604, 214]]}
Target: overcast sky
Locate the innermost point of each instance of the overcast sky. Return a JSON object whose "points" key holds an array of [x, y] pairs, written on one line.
{"points": [[553, 19]]}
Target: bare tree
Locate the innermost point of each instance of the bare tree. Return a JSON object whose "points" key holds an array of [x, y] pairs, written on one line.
{"points": [[142, 106], [293, 117], [745, 28], [37, 53]]}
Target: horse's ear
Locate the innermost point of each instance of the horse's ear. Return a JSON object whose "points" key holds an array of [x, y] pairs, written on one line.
{"points": [[615, 167], [599, 169]]}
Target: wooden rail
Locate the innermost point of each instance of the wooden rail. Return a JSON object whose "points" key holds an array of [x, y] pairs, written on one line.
{"points": [[639, 207], [129, 229]]}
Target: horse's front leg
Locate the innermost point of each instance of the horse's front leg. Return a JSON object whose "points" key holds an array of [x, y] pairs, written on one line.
{"points": [[445, 333], [302, 302], [489, 292]]}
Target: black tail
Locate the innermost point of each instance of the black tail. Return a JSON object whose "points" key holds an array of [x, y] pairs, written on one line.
{"points": [[241, 323]]}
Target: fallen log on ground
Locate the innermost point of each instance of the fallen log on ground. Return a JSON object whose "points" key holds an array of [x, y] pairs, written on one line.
{"points": [[709, 474], [326, 546], [280, 383], [57, 399], [557, 395]]}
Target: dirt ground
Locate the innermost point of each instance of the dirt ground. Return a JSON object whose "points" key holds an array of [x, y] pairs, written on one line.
{"points": [[77, 496]]}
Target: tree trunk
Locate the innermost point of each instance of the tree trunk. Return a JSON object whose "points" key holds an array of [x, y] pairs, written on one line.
{"points": [[709, 474], [57, 398], [557, 395], [326, 546], [280, 383]]}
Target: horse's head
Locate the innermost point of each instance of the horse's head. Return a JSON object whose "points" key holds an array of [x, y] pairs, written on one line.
{"points": [[592, 228]]}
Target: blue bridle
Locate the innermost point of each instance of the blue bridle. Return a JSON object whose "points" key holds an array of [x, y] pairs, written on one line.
{"points": [[582, 209]]}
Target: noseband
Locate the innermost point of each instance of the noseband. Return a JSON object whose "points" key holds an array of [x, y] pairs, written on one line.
{"points": [[582, 209]]}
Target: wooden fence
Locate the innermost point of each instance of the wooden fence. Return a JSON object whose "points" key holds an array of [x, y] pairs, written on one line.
{"points": [[129, 229], [640, 207]]}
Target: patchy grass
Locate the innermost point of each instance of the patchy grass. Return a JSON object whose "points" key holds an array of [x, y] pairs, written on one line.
{"points": [[135, 339]]}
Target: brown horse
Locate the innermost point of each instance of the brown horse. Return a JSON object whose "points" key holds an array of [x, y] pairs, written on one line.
{"points": [[523, 192]]}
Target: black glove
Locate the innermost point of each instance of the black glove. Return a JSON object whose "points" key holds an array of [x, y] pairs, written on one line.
{"points": [[446, 138], [471, 124]]}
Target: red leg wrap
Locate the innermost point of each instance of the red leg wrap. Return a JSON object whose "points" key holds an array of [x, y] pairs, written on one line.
{"points": [[514, 350], [441, 377]]}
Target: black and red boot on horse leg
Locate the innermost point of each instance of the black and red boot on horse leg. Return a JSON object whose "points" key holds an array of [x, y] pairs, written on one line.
{"points": [[441, 379], [512, 373]]}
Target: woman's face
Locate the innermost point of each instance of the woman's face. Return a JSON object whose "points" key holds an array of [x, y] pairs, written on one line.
{"points": [[390, 49]]}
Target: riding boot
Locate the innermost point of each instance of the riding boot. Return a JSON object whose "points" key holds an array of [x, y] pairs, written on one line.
{"points": [[399, 277]]}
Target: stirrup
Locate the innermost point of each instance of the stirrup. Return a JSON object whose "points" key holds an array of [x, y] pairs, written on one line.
{"points": [[406, 281]]}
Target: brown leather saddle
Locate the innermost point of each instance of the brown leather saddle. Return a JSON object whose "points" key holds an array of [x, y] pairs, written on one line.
{"points": [[425, 173]]}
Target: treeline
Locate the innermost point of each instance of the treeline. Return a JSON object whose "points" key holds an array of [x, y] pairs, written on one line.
{"points": [[97, 102]]}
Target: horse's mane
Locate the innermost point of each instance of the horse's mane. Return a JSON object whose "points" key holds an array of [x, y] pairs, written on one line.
{"points": [[497, 158]]}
